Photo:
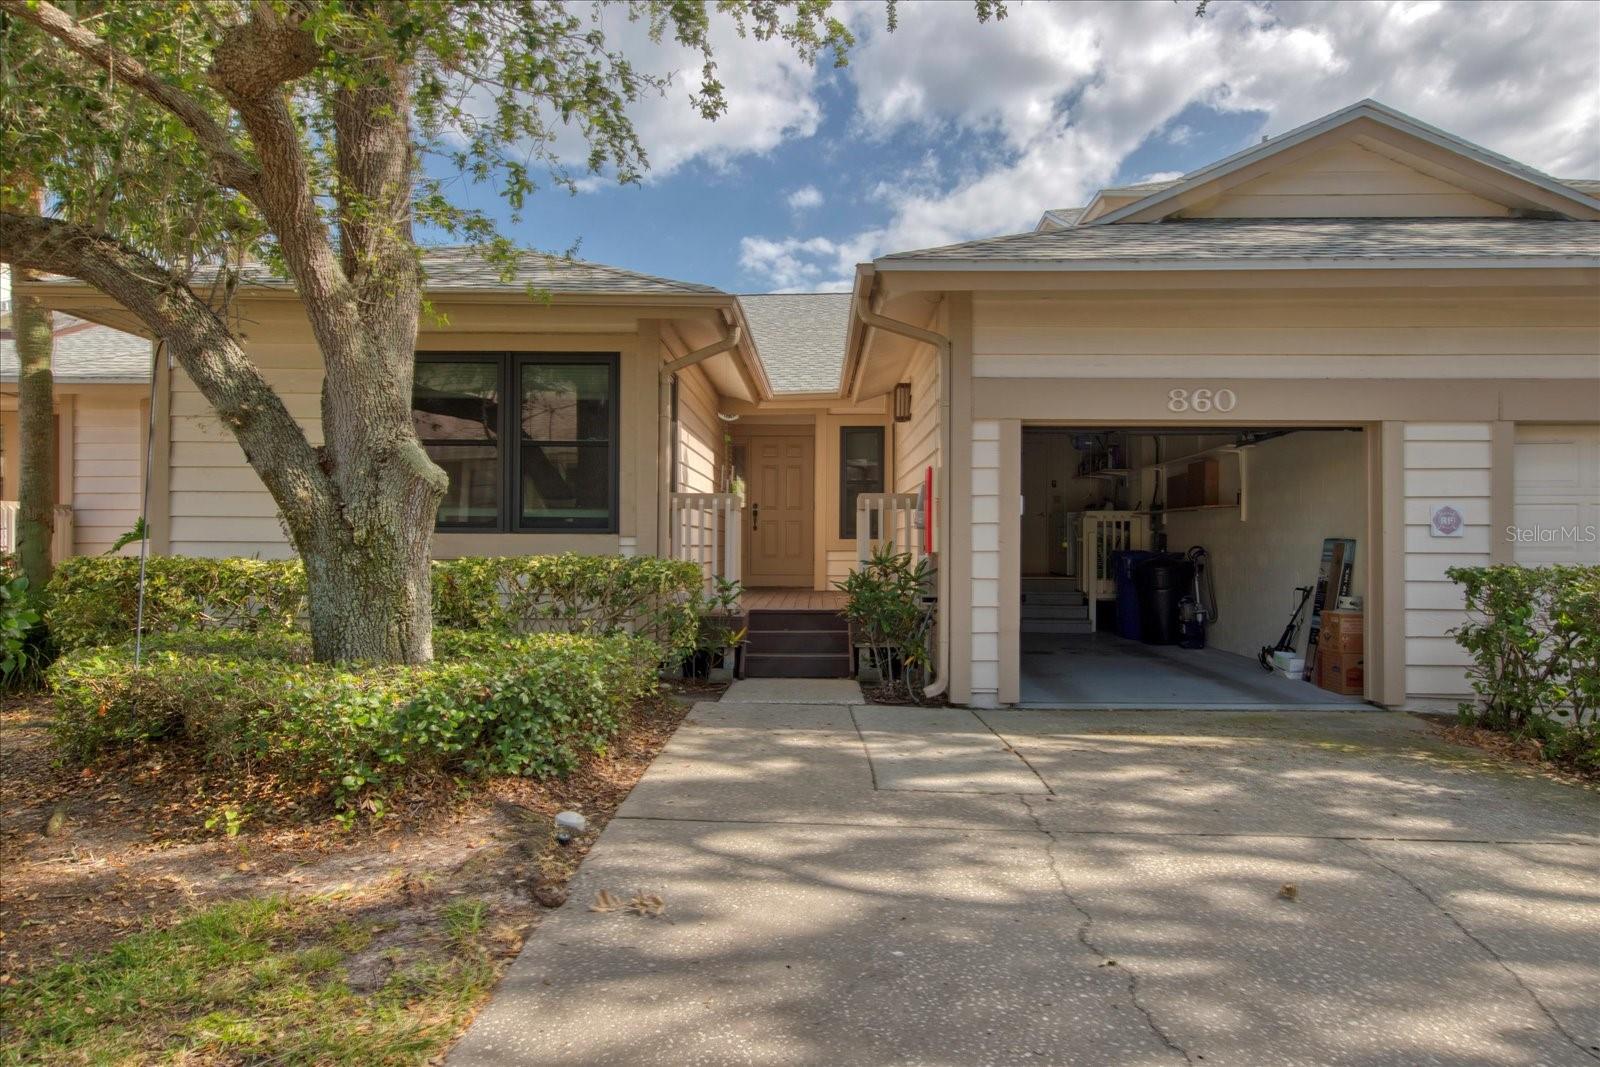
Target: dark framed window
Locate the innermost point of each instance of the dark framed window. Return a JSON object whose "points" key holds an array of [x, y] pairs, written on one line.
{"points": [[860, 471], [529, 440]]}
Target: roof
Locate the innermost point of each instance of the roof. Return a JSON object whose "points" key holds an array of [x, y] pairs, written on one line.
{"points": [[1206, 242], [462, 268], [799, 338], [1588, 186], [86, 353], [1361, 111]]}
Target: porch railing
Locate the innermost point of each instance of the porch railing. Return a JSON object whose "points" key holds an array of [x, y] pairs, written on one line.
{"points": [[705, 530], [1105, 532], [61, 542], [883, 518]]}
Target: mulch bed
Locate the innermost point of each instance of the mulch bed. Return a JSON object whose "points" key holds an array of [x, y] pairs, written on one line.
{"points": [[1525, 751], [91, 855]]}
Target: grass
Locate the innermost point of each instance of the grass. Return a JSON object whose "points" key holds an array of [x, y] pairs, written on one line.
{"points": [[251, 981]]}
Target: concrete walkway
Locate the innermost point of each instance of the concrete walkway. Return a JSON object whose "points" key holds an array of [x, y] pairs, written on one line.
{"points": [[868, 885]]}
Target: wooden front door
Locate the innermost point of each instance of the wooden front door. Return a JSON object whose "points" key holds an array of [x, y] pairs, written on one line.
{"points": [[780, 518]]}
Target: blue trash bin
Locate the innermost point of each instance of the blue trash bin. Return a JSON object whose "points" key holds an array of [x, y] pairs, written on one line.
{"points": [[1122, 565]]}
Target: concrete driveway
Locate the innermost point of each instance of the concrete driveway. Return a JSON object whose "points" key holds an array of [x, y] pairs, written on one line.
{"points": [[847, 884]]}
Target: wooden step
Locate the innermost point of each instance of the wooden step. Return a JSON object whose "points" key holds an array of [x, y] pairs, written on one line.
{"points": [[1057, 626], [769, 621], [794, 665], [1070, 597], [813, 642]]}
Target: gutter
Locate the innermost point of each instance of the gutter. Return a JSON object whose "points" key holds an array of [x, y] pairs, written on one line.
{"points": [[669, 371], [941, 345]]}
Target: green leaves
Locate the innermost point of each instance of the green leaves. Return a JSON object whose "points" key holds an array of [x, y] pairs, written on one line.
{"points": [[490, 704], [1534, 638], [22, 649], [886, 611]]}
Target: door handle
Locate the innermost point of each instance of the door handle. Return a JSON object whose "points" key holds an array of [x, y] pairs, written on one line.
{"points": [[755, 517]]}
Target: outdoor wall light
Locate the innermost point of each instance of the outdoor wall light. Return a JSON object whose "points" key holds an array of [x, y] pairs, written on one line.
{"points": [[902, 402]]}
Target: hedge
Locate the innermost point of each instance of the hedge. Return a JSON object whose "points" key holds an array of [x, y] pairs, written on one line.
{"points": [[93, 598], [489, 704], [1534, 638]]}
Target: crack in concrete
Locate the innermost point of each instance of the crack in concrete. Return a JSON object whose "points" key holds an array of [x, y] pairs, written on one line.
{"points": [[1089, 943], [1571, 1038]]}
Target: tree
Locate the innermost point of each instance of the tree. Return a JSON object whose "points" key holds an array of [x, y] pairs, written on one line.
{"points": [[36, 434], [182, 139]]}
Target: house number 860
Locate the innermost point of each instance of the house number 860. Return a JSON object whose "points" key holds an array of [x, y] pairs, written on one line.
{"points": [[1201, 400]]}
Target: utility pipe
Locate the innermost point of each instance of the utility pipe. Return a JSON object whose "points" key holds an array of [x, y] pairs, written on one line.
{"points": [[941, 345], [669, 370]]}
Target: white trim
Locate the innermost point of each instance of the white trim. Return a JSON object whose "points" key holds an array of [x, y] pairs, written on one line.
{"points": [[1370, 109], [1419, 263]]}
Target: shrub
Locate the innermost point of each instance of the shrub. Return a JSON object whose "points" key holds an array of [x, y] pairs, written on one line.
{"points": [[490, 704], [886, 611], [93, 599], [571, 593], [1534, 638], [24, 650]]}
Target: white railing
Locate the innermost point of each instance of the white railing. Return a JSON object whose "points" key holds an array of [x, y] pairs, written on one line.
{"points": [[705, 530], [60, 543], [1105, 532], [887, 518]]}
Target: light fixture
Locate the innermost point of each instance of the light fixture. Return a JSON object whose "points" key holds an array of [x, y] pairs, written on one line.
{"points": [[902, 402]]}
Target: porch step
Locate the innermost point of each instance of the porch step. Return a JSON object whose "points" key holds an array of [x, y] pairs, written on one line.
{"points": [[1040, 584], [797, 644], [1030, 610], [1057, 626], [1073, 597]]}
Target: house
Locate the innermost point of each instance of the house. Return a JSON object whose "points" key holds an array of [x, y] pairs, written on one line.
{"points": [[1364, 330], [102, 394]]}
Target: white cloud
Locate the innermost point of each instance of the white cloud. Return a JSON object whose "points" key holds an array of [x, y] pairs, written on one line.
{"points": [[1180, 134], [1067, 92], [805, 198]]}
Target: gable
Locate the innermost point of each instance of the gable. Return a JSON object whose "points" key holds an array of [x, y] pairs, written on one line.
{"points": [[1345, 180], [1381, 150]]}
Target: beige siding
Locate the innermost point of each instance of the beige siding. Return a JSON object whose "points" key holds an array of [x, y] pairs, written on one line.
{"points": [[916, 443], [1303, 488], [1346, 181], [1444, 463], [108, 468], [985, 575], [700, 434], [1365, 333], [220, 508]]}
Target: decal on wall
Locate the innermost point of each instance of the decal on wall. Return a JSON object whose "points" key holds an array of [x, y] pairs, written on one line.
{"points": [[1445, 520]]}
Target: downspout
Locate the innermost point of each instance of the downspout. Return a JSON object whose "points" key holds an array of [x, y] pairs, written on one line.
{"points": [[669, 371], [941, 345]]}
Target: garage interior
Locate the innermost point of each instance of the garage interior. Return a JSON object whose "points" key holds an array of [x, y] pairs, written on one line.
{"points": [[1110, 586]]}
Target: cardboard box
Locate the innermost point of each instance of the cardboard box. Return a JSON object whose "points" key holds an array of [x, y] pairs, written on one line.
{"points": [[1342, 631], [1205, 482], [1341, 672]]}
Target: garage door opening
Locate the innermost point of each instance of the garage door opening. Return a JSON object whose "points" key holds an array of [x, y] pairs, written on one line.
{"points": [[1157, 563]]}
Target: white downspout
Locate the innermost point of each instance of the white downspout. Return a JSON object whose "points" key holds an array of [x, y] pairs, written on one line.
{"points": [[664, 427], [941, 345]]}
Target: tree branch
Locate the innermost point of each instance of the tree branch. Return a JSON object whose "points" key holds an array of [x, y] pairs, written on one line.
{"points": [[272, 440], [232, 168]]}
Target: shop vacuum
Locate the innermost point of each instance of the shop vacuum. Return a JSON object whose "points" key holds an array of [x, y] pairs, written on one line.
{"points": [[1198, 608]]}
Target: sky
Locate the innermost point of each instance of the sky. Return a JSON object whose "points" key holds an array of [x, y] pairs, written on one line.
{"points": [[948, 130]]}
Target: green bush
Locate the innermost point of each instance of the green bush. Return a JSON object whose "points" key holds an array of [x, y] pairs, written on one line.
{"points": [[571, 593], [94, 598], [490, 704], [884, 606], [24, 650], [1534, 638]]}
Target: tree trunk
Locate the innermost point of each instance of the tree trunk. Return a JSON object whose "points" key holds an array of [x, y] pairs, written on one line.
{"points": [[36, 424]]}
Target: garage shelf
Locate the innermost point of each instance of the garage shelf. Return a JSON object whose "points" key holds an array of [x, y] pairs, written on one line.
{"points": [[1196, 507]]}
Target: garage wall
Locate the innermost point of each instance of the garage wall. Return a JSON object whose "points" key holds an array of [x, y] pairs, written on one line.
{"points": [[1444, 463], [985, 646], [1303, 487], [1557, 494]]}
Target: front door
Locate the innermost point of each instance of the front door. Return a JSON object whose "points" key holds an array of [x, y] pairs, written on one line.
{"points": [[780, 525]]}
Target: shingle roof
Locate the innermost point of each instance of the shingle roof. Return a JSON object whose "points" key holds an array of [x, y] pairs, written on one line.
{"points": [[86, 352], [1203, 240], [462, 269], [800, 338]]}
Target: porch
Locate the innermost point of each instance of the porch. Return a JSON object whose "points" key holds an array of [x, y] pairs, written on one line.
{"points": [[61, 540]]}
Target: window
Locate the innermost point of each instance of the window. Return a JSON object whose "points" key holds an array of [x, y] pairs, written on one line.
{"points": [[546, 461], [860, 471]]}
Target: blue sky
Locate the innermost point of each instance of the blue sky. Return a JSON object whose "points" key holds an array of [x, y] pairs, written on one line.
{"points": [[947, 130]]}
